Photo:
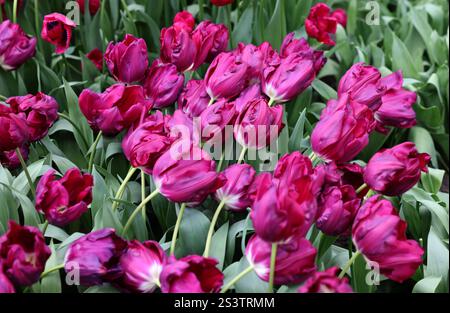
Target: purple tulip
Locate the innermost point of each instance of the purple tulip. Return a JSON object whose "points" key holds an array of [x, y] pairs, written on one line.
{"points": [[252, 92], [6, 285], [10, 159], [178, 48], [185, 20], [16, 47], [256, 58], [194, 99], [210, 40], [326, 282], [215, 118], [182, 128], [14, 130]]}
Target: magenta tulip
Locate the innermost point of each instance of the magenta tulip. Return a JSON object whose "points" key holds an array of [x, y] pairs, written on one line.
{"points": [[10, 159], [194, 99], [326, 282], [14, 130], [320, 23], [16, 47], [178, 48], [184, 20], [256, 58], [96, 57], [252, 92], [57, 30], [215, 118], [6, 285], [210, 40]]}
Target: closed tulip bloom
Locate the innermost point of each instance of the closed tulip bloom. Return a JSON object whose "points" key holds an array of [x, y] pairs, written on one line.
{"points": [[40, 112], [127, 60], [396, 170], [380, 235], [191, 274], [256, 58], [210, 40], [185, 20], [215, 118], [13, 129], [141, 265], [226, 76], [186, 175], [220, 3], [96, 257], [397, 109], [343, 130], [295, 259], [182, 128], [114, 110], [10, 159], [16, 47], [326, 282], [57, 30], [320, 24], [94, 5], [6, 285], [252, 92], [300, 46], [96, 57], [340, 16], [194, 99], [65, 200], [257, 125], [178, 48], [236, 191], [23, 253]]}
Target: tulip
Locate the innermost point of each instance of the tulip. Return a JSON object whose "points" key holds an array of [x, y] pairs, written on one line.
{"points": [[5, 284], [64, 201], [57, 30], [96, 57], [114, 110], [141, 265], [178, 48], [3, 9], [210, 40], [379, 234], [236, 191], [220, 3], [320, 24], [23, 253], [258, 124], [343, 130], [252, 92], [163, 84], [292, 45], [194, 99], [96, 256], [256, 58], [16, 47], [294, 259], [127, 60], [186, 176], [340, 16], [394, 171], [182, 128], [215, 118], [226, 76], [94, 5], [10, 159], [185, 20], [396, 109], [13, 129], [326, 282], [191, 274], [40, 112]]}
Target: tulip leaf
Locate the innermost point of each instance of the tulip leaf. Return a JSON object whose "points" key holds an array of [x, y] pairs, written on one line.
{"points": [[193, 231], [219, 244], [52, 282]]}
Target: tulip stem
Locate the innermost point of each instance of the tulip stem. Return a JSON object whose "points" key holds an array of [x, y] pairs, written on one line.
{"points": [[51, 270], [313, 157], [177, 228], [211, 227], [122, 187], [219, 166], [44, 227], [361, 188], [93, 150], [242, 155], [138, 209], [236, 279], [273, 258], [349, 264], [271, 102], [125, 7], [25, 169], [15, 12], [201, 10], [143, 194]]}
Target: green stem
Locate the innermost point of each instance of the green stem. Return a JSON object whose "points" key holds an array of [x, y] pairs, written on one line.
{"points": [[211, 227], [313, 157], [44, 227], [143, 194], [93, 150], [236, 279], [273, 258], [219, 166], [211, 101], [228, 9], [36, 19], [349, 264], [122, 187], [15, 12], [271, 102], [74, 125], [27, 174], [361, 188], [177, 228], [51, 270], [201, 10], [2, 97], [38, 75], [125, 7], [138, 209], [242, 155]]}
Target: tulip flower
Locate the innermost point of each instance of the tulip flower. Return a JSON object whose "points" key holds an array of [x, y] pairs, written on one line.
{"points": [[321, 22], [185, 20], [178, 48], [127, 60], [210, 40], [16, 47], [326, 282], [256, 58], [182, 128], [10, 159], [252, 92], [64, 201], [343, 130], [396, 110], [94, 5], [163, 84], [141, 265], [114, 110], [96, 57], [295, 259], [215, 118], [40, 112], [220, 3], [23, 253], [191, 274], [96, 256], [194, 99], [379, 234], [6, 285], [340, 16], [13, 129], [57, 30], [396, 170]]}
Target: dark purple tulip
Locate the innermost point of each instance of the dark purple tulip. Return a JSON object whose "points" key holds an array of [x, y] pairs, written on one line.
{"points": [[16, 47], [210, 39], [178, 48], [14, 130], [326, 282], [194, 99]]}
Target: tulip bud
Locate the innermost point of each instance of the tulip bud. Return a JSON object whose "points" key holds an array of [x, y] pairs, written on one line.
{"points": [[394, 171], [16, 47], [191, 274], [57, 30], [194, 99], [6, 285], [94, 5], [96, 57], [326, 282], [294, 259], [95, 256], [210, 40], [320, 24], [23, 253], [379, 234], [185, 20], [127, 60], [64, 201], [221, 3], [215, 118], [178, 48], [13, 129], [396, 110], [114, 110], [10, 159], [141, 264]]}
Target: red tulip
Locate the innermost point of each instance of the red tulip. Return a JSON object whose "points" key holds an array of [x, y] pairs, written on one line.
{"points": [[16, 47], [178, 48], [94, 5], [185, 20], [57, 30], [210, 40], [13, 129], [321, 23], [96, 57], [341, 16], [326, 282], [220, 3]]}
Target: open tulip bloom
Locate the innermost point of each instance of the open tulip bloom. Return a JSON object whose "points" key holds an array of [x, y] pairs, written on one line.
{"points": [[215, 146]]}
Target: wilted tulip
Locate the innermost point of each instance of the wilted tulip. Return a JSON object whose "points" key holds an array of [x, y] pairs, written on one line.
{"points": [[215, 118], [326, 282], [320, 23], [379, 234], [114, 110], [185, 20], [396, 170], [64, 201], [11, 160], [6, 285], [94, 5], [163, 84], [127, 60], [23, 253], [96, 57], [13, 129], [210, 39], [16, 47], [191, 274], [194, 99], [295, 259], [178, 48], [96, 256], [57, 30]]}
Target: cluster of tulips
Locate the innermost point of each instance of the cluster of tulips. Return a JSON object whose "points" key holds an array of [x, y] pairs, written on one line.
{"points": [[244, 88]]}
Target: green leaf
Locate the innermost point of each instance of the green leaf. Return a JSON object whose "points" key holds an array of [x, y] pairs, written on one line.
{"points": [[219, 244], [427, 285], [193, 231], [52, 282], [276, 29], [324, 90]]}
